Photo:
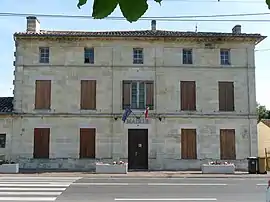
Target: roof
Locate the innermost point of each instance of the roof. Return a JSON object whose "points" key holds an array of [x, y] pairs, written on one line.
{"points": [[266, 122], [141, 33], [6, 104]]}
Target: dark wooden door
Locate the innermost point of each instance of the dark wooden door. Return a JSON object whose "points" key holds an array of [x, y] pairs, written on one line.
{"points": [[138, 149]]}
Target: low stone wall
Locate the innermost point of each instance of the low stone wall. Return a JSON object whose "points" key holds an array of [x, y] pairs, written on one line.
{"points": [[89, 165], [192, 165]]}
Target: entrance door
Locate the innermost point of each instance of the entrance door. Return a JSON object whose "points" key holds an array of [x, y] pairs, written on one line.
{"points": [[138, 149]]}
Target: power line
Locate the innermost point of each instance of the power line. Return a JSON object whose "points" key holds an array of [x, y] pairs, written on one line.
{"points": [[174, 18]]}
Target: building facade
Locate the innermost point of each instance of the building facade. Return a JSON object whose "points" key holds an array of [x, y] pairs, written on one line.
{"points": [[70, 90]]}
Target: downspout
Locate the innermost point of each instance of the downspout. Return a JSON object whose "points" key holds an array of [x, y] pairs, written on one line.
{"points": [[112, 117], [248, 91]]}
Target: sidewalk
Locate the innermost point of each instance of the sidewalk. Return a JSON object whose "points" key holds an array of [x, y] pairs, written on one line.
{"points": [[153, 174]]}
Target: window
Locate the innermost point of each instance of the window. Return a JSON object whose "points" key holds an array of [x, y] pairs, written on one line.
{"points": [[138, 94], [188, 144], [43, 94], [187, 56], [226, 96], [88, 94], [188, 95], [41, 143], [44, 55], [2, 140], [89, 55], [137, 56], [87, 143], [227, 144], [225, 57]]}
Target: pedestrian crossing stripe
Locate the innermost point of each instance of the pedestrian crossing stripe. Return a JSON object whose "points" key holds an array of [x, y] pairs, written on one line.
{"points": [[33, 188]]}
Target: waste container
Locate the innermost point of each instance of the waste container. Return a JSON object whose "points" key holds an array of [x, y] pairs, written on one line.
{"points": [[262, 165], [252, 165]]}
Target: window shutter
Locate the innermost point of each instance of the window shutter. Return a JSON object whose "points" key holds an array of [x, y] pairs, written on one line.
{"points": [[88, 94], [43, 94], [126, 94], [150, 94]]}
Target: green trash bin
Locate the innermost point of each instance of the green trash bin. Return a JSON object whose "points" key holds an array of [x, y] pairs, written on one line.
{"points": [[252, 165]]}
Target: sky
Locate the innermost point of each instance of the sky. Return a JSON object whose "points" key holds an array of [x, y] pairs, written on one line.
{"points": [[10, 25]]}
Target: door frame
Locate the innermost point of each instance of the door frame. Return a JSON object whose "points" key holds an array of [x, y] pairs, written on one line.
{"points": [[142, 161]]}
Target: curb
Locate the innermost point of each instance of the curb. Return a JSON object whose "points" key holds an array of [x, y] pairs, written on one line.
{"points": [[179, 176]]}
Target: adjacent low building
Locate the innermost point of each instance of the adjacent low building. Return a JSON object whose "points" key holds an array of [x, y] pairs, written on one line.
{"points": [[70, 90]]}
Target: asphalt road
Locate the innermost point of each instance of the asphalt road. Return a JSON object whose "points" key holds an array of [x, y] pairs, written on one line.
{"points": [[170, 189]]}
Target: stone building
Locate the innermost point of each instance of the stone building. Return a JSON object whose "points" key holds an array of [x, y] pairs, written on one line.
{"points": [[71, 87]]}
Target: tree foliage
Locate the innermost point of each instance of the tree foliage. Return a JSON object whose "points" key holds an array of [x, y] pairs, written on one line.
{"points": [[262, 112], [132, 10]]}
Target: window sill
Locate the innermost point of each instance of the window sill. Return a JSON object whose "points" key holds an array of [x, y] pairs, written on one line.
{"points": [[88, 110], [226, 111], [42, 110]]}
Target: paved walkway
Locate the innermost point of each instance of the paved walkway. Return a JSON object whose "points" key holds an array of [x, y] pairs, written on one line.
{"points": [[157, 174]]}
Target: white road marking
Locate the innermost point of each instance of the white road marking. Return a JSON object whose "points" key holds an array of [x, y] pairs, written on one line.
{"points": [[106, 184], [33, 182], [261, 184], [31, 193], [184, 184], [35, 185], [40, 178], [148, 184], [31, 189], [27, 198], [165, 199]]}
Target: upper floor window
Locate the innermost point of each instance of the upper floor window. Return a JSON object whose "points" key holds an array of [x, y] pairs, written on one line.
{"points": [[89, 55], [225, 57], [44, 54], [188, 95], [43, 94], [138, 94], [187, 56], [137, 56], [226, 96], [88, 94], [2, 140]]}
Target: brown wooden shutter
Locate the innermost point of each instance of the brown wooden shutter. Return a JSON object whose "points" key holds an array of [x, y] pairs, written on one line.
{"points": [[188, 95], [226, 96], [150, 94], [43, 94], [126, 93], [41, 143], [87, 143], [227, 144], [188, 144], [88, 94]]}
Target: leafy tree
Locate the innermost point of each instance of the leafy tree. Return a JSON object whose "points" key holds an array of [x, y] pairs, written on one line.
{"points": [[262, 112], [132, 10]]}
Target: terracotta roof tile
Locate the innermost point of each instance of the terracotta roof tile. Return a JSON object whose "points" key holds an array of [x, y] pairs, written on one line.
{"points": [[6, 104], [141, 33], [266, 122]]}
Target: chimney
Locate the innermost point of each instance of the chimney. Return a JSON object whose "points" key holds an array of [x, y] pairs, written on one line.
{"points": [[33, 24], [154, 25], [236, 29]]}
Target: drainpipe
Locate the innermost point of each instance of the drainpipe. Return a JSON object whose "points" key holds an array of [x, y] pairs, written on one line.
{"points": [[248, 91], [112, 117]]}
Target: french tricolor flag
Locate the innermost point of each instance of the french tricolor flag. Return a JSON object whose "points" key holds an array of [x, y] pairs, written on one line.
{"points": [[146, 113]]}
